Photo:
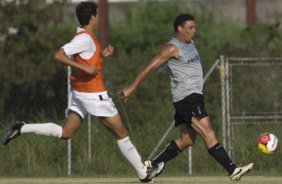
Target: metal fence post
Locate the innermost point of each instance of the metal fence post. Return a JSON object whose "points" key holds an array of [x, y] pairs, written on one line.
{"points": [[69, 141], [89, 139], [223, 100]]}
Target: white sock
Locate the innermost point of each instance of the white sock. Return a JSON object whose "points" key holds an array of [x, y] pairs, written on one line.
{"points": [[47, 129], [130, 153]]}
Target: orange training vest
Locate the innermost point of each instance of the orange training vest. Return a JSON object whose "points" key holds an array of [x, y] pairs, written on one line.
{"points": [[83, 82]]}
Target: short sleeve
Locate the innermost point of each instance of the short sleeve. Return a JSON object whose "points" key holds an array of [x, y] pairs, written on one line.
{"points": [[80, 43]]}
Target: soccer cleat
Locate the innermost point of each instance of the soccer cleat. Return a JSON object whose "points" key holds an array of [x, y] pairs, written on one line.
{"points": [[13, 132], [153, 171], [160, 166], [241, 171]]}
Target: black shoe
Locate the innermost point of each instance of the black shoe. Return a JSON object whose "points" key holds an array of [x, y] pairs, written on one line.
{"points": [[153, 171], [159, 166], [13, 132]]}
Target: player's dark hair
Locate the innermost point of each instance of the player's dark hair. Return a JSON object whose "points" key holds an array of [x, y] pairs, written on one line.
{"points": [[84, 11], [180, 19]]}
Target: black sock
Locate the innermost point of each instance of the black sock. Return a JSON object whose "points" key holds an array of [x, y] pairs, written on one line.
{"points": [[170, 152], [219, 154]]}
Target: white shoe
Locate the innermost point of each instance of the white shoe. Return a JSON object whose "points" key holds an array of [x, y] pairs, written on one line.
{"points": [[240, 171]]}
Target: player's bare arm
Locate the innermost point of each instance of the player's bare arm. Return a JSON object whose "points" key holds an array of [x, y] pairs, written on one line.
{"points": [[167, 52], [62, 58]]}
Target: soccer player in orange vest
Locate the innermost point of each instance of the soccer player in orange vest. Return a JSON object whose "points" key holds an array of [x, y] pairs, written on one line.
{"points": [[88, 96]]}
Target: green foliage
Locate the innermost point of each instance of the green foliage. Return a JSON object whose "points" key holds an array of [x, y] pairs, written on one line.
{"points": [[27, 57], [260, 40]]}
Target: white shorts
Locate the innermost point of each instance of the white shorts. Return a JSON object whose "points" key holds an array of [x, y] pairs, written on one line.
{"points": [[96, 104]]}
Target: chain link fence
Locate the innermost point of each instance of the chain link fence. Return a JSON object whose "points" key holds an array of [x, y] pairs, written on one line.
{"points": [[251, 101], [34, 101], [244, 101]]}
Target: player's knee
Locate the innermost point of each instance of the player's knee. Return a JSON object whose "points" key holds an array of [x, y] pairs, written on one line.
{"points": [[67, 135], [188, 143], [120, 134], [184, 143], [210, 138]]}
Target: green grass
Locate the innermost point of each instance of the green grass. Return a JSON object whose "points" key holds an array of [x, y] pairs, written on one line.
{"points": [[160, 180]]}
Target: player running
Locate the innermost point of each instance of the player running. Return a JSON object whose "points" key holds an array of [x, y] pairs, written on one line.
{"points": [[88, 93]]}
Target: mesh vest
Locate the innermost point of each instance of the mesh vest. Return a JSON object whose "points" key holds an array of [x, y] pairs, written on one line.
{"points": [[83, 82]]}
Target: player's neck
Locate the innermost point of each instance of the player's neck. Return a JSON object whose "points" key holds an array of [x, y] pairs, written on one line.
{"points": [[181, 38], [88, 28]]}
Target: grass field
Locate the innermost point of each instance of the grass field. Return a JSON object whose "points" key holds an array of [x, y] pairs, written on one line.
{"points": [[160, 180]]}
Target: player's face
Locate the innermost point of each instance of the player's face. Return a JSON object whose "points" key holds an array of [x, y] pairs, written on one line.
{"points": [[188, 30]]}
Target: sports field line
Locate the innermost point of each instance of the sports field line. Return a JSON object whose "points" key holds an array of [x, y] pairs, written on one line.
{"points": [[160, 180]]}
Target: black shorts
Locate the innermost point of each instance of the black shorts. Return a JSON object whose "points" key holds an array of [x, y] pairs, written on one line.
{"points": [[185, 109]]}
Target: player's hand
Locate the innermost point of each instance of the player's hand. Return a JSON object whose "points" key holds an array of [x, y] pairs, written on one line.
{"points": [[91, 70], [125, 93], [108, 51]]}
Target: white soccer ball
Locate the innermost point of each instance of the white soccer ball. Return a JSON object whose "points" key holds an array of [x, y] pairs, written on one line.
{"points": [[267, 143]]}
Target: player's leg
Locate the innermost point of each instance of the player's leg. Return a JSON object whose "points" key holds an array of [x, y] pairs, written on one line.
{"points": [[75, 113], [187, 138], [102, 106], [119, 131], [17, 128], [203, 127], [72, 124], [187, 134], [115, 126], [174, 148], [201, 124]]}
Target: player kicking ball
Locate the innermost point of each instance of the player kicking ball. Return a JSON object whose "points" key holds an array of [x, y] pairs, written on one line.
{"points": [[183, 60]]}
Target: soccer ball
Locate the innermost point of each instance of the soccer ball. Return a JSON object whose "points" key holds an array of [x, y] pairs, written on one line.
{"points": [[267, 143]]}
